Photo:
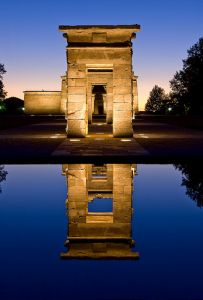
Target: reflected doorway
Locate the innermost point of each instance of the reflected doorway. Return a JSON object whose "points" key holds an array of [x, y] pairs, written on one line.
{"points": [[100, 212]]}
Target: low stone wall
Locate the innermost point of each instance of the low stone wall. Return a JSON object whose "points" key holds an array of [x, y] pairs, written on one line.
{"points": [[42, 102]]}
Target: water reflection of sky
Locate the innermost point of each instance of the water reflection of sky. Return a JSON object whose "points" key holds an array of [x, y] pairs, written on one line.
{"points": [[167, 228]]}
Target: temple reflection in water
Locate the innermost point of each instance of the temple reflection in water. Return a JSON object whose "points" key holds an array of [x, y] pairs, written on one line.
{"points": [[99, 209]]}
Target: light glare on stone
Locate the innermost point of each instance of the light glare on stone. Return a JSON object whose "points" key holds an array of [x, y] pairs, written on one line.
{"points": [[74, 140], [125, 140]]}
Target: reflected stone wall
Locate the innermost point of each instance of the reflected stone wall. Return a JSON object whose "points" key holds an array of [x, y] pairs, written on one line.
{"points": [[99, 234]]}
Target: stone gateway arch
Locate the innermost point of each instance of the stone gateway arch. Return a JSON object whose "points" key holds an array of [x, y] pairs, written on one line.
{"points": [[99, 83], [100, 79]]}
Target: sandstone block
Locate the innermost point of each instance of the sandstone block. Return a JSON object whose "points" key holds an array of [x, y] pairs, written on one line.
{"points": [[76, 90], [74, 167], [77, 98], [120, 106], [76, 82], [122, 90], [76, 106], [72, 73], [122, 116], [76, 132], [121, 132], [122, 82]]}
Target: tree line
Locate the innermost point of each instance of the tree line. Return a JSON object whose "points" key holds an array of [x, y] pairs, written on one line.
{"points": [[186, 95], [2, 91], [11, 105], [3, 174]]}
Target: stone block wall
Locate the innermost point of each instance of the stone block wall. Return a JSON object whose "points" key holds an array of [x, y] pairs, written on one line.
{"points": [[91, 234], [76, 98], [122, 94], [42, 102], [76, 175], [100, 184], [63, 95], [135, 96], [122, 193], [92, 50], [118, 82]]}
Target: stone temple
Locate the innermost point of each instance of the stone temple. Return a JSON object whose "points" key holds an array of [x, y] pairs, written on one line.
{"points": [[99, 83], [96, 229]]}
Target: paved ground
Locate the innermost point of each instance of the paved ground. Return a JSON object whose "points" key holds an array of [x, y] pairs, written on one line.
{"points": [[169, 142], [47, 143]]}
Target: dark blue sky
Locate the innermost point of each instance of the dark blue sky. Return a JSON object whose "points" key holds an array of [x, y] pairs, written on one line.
{"points": [[33, 50]]}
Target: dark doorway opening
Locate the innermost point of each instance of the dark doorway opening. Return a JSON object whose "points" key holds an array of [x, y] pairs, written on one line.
{"points": [[99, 103]]}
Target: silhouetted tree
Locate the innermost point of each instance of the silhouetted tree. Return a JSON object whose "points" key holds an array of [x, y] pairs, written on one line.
{"points": [[187, 84], [2, 107], [156, 102], [14, 105], [176, 108], [2, 91], [3, 175], [193, 181]]}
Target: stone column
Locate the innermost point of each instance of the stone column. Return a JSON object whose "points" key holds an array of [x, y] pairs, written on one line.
{"points": [[122, 193], [122, 96], [90, 100], [63, 94], [76, 175], [109, 102], [77, 102], [135, 96]]}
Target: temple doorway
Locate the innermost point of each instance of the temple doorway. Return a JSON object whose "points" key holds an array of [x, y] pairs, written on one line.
{"points": [[99, 103]]}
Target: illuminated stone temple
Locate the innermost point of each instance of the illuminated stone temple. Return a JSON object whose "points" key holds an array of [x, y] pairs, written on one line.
{"points": [[99, 83], [103, 229]]}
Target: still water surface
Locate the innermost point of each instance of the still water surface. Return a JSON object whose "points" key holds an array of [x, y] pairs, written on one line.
{"points": [[165, 219]]}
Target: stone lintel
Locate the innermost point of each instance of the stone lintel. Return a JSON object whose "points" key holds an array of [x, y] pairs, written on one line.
{"points": [[100, 45], [40, 92], [134, 27], [114, 35]]}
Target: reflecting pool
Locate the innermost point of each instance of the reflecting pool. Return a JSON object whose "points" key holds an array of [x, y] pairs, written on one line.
{"points": [[112, 231]]}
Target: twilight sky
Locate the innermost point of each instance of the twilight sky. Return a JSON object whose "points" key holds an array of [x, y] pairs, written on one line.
{"points": [[33, 50]]}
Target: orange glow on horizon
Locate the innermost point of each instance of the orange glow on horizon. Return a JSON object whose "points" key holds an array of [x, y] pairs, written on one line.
{"points": [[143, 92], [15, 86]]}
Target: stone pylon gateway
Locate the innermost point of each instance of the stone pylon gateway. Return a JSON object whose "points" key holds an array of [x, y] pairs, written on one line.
{"points": [[101, 232], [100, 83]]}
